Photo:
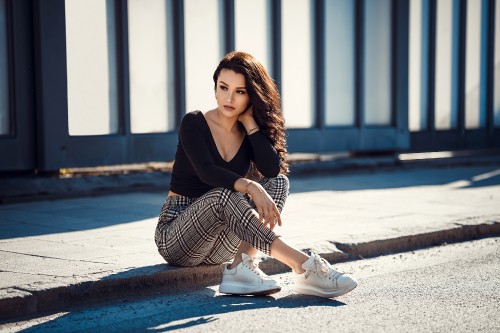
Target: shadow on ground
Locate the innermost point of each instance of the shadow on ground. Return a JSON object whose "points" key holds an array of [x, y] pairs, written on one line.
{"points": [[176, 312], [77, 214]]}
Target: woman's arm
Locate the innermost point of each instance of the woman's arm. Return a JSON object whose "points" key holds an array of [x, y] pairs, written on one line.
{"points": [[265, 156]]}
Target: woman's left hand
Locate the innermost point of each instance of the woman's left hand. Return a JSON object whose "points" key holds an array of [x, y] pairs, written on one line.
{"points": [[269, 214], [247, 119]]}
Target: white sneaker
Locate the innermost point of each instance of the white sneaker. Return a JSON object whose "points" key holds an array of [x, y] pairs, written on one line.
{"points": [[247, 279], [320, 279]]}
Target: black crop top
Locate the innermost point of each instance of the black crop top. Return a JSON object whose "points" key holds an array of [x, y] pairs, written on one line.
{"points": [[198, 166]]}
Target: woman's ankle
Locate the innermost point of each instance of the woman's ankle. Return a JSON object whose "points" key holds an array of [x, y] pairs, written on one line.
{"points": [[236, 262], [288, 255], [297, 269]]}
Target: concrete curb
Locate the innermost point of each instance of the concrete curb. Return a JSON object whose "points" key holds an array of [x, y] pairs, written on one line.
{"points": [[164, 279]]}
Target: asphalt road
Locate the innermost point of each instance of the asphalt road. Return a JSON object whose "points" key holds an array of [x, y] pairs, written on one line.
{"points": [[453, 288]]}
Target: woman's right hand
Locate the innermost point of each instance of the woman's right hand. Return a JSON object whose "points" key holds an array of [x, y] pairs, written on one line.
{"points": [[268, 212]]}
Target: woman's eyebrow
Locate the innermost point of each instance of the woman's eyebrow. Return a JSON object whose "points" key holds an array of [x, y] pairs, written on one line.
{"points": [[228, 85]]}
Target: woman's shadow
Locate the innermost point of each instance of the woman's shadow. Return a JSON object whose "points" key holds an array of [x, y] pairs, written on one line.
{"points": [[172, 312]]}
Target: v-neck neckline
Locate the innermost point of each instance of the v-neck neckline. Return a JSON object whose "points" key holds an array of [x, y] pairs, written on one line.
{"points": [[215, 144]]}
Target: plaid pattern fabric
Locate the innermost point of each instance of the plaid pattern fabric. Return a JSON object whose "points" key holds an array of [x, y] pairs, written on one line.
{"points": [[209, 229]]}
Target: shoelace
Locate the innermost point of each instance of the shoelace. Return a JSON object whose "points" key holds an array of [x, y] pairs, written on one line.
{"points": [[321, 266], [253, 263]]}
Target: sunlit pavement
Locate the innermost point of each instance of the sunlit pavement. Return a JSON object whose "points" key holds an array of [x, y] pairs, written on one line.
{"points": [[58, 253], [452, 288]]}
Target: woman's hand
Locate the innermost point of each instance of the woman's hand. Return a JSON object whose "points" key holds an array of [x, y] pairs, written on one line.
{"points": [[247, 119], [268, 212]]}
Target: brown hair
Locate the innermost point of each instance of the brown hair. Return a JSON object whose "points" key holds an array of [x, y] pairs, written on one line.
{"points": [[264, 97]]}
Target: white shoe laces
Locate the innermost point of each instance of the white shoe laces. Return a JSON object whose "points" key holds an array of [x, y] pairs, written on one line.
{"points": [[253, 264], [322, 267]]}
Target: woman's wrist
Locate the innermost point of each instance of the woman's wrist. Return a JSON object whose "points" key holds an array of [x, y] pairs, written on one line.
{"points": [[252, 188], [249, 124], [246, 187], [253, 130]]}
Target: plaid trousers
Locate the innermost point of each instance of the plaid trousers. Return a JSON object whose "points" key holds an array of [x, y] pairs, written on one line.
{"points": [[209, 229]]}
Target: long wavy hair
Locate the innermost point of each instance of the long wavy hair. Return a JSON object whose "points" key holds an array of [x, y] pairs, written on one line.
{"points": [[265, 100]]}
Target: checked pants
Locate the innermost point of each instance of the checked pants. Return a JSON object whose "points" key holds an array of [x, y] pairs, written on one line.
{"points": [[209, 229]]}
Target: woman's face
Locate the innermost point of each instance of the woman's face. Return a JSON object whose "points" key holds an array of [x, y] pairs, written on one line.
{"points": [[231, 93]]}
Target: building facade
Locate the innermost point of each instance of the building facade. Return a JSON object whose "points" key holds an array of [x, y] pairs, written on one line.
{"points": [[101, 82]]}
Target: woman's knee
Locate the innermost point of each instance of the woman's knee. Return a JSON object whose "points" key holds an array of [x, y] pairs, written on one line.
{"points": [[281, 183], [283, 179]]}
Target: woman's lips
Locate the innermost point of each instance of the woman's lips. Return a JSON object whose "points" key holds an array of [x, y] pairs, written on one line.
{"points": [[229, 107]]}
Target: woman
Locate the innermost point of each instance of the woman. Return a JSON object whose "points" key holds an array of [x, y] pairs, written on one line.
{"points": [[229, 185]]}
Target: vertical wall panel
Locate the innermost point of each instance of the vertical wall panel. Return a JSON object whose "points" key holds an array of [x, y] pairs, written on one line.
{"points": [[203, 51], [364, 54], [4, 71], [297, 67], [17, 86], [497, 65], [417, 107], [377, 62], [253, 30], [91, 67], [473, 87], [340, 63], [445, 116], [150, 105]]}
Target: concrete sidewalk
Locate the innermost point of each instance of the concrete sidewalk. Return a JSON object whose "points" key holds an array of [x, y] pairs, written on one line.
{"points": [[74, 252]]}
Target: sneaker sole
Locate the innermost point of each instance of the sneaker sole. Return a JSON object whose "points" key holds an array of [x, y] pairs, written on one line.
{"points": [[244, 289], [310, 290]]}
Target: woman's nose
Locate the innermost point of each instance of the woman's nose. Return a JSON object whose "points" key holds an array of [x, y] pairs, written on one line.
{"points": [[229, 96]]}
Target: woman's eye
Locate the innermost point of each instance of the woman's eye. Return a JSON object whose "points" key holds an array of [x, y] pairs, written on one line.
{"points": [[241, 92], [223, 88]]}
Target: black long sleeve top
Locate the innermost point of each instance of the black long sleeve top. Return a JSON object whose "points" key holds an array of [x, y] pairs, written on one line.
{"points": [[198, 166]]}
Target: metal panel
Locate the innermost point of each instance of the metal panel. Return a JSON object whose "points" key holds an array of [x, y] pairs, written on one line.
{"points": [[454, 140], [298, 77], [342, 139], [461, 138], [151, 94], [5, 71], [319, 62], [178, 52], [459, 51], [228, 27], [359, 66], [488, 63], [400, 72], [336, 71], [204, 47], [57, 149], [276, 41], [17, 149], [378, 62], [361, 137], [429, 12], [123, 68]]}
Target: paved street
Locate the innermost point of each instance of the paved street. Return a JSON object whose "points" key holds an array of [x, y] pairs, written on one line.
{"points": [[55, 254], [452, 288]]}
